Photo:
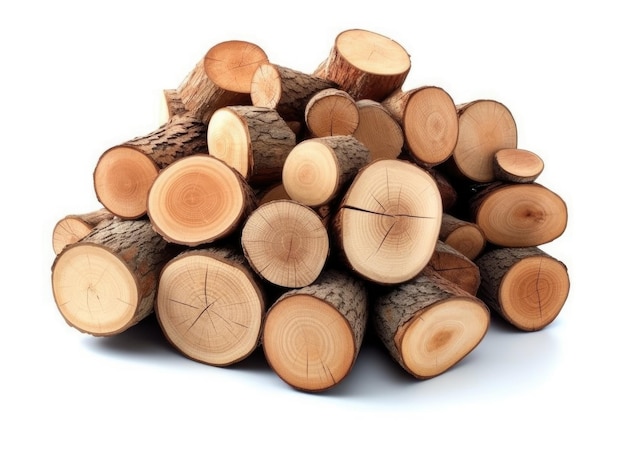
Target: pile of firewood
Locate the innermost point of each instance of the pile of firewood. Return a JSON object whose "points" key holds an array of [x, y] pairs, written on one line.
{"points": [[290, 211]]}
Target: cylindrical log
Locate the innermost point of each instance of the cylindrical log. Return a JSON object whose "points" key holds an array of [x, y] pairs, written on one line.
{"points": [[331, 112], [517, 165], [378, 130], [171, 105], [312, 335], [72, 228], [464, 236], [455, 267], [524, 285]]}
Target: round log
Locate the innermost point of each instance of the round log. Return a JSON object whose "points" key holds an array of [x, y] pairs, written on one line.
{"points": [[72, 228], [517, 165], [375, 120], [331, 112]]}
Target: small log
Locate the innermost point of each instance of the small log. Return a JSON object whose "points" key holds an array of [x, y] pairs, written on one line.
{"points": [[387, 223], [525, 286], [365, 64], [210, 305], [254, 141], [286, 90], [316, 170], [171, 105], [331, 112], [286, 243], [124, 173], [519, 215], [455, 267], [429, 122], [312, 335], [485, 127], [464, 236], [516, 165], [223, 77], [107, 282], [198, 200], [72, 228], [374, 121], [428, 324]]}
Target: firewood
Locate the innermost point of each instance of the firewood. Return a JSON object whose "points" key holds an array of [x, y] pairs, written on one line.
{"points": [[286, 90], [210, 305], [316, 170], [485, 127], [107, 282], [312, 335], [286, 243], [272, 192], [72, 228], [171, 105], [428, 324], [331, 112], [464, 236], [449, 194], [378, 130], [524, 285], [254, 141], [429, 122], [199, 200], [223, 77], [124, 173], [387, 223], [365, 64], [455, 267], [519, 215], [517, 165]]}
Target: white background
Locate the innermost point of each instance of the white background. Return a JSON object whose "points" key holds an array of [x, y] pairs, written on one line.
{"points": [[79, 77]]}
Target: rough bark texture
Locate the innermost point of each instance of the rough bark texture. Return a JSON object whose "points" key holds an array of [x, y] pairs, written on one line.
{"points": [[172, 105]]}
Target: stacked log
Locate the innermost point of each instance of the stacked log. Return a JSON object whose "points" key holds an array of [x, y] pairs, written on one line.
{"points": [[290, 211]]}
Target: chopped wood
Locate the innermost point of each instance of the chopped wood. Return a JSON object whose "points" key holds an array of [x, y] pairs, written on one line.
{"points": [[516, 165], [464, 236], [210, 305], [378, 130], [72, 228], [448, 192], [331, 112], [455, 267], [313, 335], [286, 243], [526, 286], [171, 105], [428, 324]]}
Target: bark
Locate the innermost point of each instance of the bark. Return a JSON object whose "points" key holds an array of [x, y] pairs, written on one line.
{"points": [[72, 228]]}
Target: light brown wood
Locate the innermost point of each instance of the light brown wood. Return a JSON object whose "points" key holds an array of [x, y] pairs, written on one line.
{"points": [[223, 77], [210, 306], [316, 170], [198, 200], [378, 130], [124, 174], [464, 236], [519, 215], [271, 193], [254, 141], [107, 282], [525, 286], [485, 127], [387, 223], [72, 228], [429, 122], [331, 112], [366, 64], [171, 105], [313, 335], [286, 243], [428, 324], [455, 267], [517, 165]]}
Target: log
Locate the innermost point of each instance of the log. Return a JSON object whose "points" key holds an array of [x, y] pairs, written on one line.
{"points": [[429, 122], [171, 105], [312, 335], [524, 285], [387, 223], [331, 112], [316, 170], [254, 141], [428, 324], [199, 200], [210, 305], [285, 243], [485, 127], [455, 267], [223, 77], [516, 165], [519, 215], [464, 236], [286, 90], [124, 173], [72, 228], [365, 64], [107, 282], [374, 121], [449, 194]]}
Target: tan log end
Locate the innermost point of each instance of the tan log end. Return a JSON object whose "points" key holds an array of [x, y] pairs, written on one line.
{"points": [[517, 165], [375, 120], [72, 228], [231, 64], [331, 112], [464, 236]]}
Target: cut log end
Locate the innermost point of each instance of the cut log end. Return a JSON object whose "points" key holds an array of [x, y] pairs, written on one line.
{"points": [[266, 86], [229, 140], [517, 165], [373, 53], [331, 112], [232, 64], [374, 119]]}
